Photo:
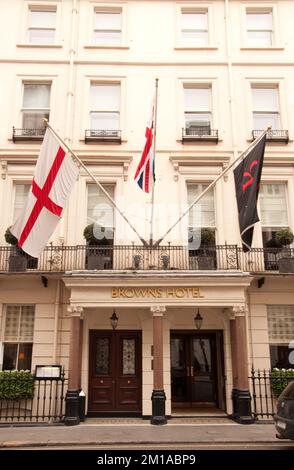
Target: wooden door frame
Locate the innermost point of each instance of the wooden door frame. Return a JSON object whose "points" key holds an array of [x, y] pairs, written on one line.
{"points": [[219, 362], [115, 334]]}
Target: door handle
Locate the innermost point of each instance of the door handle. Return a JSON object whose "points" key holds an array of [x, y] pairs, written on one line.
{"points": [[188, 371]]}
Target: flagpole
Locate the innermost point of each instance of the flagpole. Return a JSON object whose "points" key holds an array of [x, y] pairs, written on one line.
{"points": [[213, 183], [96, 181], [153, 168]]}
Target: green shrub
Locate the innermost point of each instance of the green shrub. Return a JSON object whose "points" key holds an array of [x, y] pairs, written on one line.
{"points": [[16, 384], [280, 379]]}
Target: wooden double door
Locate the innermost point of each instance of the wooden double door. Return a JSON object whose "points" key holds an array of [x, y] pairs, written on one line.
{"points": [[197, 377], [115, 375]]}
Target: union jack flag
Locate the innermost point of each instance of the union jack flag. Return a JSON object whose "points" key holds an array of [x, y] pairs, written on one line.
{"points": [[145, 173]]}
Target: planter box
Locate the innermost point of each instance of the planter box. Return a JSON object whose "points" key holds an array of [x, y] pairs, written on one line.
{"points": [[286, 265], [17, 263]]}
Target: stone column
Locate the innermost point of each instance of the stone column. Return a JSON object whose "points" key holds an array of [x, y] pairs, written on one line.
{"points": [[74, 367], [241, 394], [158, 395], [234, 362]]}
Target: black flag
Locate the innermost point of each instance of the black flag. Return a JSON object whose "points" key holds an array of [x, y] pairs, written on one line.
{"points": [[247, 180]]}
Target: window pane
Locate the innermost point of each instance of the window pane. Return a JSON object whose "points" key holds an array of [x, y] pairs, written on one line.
{"points": [[107, 37], [34, 120], [9, 356], [129, 356], [105, 121], [21, 193], [36, 96], [99, 209], [280, 323], [105, 97], [273, 205], [42, 19], [12, 323], [262, 120], [111, 20], [259, 20], [194, 20], [102, 366], [259, 38], [24, 356], [27, 323], [196, 120], [195, 38], [265, 99], [201, 214], [41, 36], [197, 99]]}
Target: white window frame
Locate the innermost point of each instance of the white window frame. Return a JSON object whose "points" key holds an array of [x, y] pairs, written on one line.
{"points": [[285, 184], [248, 103], [108, 8], [191, 8], [36, 6], [104, 182], [105, 111], [261, 8], [35, 82], [198, 83], [18, 341], [15, 184], [92, 79], [266, 111]]}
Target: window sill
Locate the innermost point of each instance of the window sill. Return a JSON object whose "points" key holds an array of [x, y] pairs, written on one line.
{"points": [[42, 46], [262, 48], [195, 48], [105, 46]]}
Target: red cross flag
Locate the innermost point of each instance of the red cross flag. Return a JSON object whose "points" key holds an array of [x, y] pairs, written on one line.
{"points": [[54, 178]]}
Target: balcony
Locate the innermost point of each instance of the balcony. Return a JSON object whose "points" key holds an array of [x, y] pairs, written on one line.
{"points": [[139, 258], [28, 135], [281, 136], [96, 136], [199, 134]]}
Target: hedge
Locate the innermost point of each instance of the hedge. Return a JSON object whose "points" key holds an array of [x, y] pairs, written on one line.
{"points": [[16, 384], [280, 379]]}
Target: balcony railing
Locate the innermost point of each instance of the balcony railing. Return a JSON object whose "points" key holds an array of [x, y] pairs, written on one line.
{"points": [[93, 136], [21, 135], [136, 258], [199, 133], [273, 135]]}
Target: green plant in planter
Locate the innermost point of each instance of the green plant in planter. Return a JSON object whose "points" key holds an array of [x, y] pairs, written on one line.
{"points": [[207, 237], [89, 235], [280, 379], [9, 238], [16, 385], [284, 237]]}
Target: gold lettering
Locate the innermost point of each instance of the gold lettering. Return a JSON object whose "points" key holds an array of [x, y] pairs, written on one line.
{"points": [[180, 293], [195, 292], [170, 292], [114, 292]]}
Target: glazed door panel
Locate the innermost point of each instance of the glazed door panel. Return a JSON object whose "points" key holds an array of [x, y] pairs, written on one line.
{"points": [[194, 369], [115, 371]]}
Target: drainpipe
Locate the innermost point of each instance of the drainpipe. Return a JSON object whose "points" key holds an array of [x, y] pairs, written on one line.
{"points": [[69, 100], [56, 318], [231, 81]]}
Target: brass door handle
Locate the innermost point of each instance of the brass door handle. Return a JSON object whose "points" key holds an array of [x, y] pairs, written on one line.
{"points": [[101, 381]]}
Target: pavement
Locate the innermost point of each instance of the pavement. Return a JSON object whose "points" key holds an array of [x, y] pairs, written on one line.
{"points": [[103, 433]]}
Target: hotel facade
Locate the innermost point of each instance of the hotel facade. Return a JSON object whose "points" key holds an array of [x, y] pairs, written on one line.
{"points": [[149, 331]]}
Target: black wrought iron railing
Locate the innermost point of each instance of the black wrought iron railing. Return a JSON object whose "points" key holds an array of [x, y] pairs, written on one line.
{"points": [[102, 135], [28, 134], [135, 257], [276, 135], [40, 401], [266, 386], [199, 133]]}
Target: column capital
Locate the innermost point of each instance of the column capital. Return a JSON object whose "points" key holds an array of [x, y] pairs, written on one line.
{"points": [[158, 310], [75, 311], [239, 310]]}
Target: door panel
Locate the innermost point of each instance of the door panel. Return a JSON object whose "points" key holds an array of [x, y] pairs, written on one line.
{"points": [[115, 371], [194, 369]]}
